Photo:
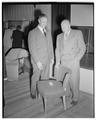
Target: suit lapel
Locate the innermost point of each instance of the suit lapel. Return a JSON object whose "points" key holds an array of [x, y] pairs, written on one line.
{"points": [[61, 42]]}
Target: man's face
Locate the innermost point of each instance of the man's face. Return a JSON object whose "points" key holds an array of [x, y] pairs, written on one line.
{"points": [[65, 26], [43, 22]]}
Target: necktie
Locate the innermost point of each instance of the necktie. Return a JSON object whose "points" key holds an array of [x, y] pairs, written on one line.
{"points": [[65, 36], [44, 32]]}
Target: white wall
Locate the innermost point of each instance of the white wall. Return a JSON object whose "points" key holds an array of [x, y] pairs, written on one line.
{"points": [[82, 15], [86, 80]]}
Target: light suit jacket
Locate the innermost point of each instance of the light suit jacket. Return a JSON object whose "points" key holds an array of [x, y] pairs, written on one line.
{"points": [[71, 49], [40, 46]]}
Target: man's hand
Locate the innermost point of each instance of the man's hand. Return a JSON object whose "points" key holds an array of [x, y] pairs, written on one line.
{"points": [[40, 66], [52, 61]]}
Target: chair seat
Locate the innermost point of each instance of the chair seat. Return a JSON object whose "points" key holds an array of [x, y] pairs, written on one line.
{"points": [[50, 88]]}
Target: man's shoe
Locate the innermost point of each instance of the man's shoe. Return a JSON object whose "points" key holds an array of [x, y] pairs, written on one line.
{"points": [[74, 102], [33, 96]]}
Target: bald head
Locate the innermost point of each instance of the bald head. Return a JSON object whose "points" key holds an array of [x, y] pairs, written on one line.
{"points": [[65, 26]]}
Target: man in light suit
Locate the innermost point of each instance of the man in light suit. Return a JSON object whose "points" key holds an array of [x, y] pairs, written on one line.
{"points": [[41, 50], [70, 48]]}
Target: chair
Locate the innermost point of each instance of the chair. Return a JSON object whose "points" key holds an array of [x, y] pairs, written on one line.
{"points": [[12, 70], [13, 62], [53, 88]]}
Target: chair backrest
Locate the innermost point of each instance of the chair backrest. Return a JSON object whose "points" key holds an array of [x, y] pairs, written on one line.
{"points": [[50, 88], [14, 54]]}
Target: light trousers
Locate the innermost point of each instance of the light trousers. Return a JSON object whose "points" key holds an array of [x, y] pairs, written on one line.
{"points": [[74, 66], [72, 79], [63, 74]]}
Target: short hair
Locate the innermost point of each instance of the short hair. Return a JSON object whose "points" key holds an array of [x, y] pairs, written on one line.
{"points": [[18, 27], [42, 15], [65, 20]]}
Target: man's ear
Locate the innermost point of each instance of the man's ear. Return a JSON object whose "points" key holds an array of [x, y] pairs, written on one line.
{"points": [[38, 20]]}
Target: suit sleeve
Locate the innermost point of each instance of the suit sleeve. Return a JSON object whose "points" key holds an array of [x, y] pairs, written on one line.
{"points": [[12, 34], [57, 51], [81, 46], [32, 46], [51, 48]]}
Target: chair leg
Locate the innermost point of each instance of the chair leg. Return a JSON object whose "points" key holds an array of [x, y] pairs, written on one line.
{"points": [[44, 103], [64, 102], [38, 95]]}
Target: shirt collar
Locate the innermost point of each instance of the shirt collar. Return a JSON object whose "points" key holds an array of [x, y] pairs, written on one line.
{"points": [[40, 28], [67, 34], [69, 31]]}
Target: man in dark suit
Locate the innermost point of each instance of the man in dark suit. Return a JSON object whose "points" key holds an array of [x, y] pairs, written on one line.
{"points": [[41, 51], [18, 37], [70, 48]]}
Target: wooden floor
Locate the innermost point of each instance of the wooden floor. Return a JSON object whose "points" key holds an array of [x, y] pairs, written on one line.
{"points": [[19, 104]]}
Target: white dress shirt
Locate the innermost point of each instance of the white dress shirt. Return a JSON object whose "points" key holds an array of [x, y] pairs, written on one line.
{"points": [[41, 29]]}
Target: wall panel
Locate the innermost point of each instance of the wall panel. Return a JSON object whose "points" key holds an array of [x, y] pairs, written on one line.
{"points": [[18, 12], [82, 14]]}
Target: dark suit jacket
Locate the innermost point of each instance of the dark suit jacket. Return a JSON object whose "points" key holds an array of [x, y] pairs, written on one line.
{"points": [[18, 37], [40, 47]]}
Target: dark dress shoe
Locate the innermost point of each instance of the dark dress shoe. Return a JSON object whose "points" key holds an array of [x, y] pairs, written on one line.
{"points": [[33, 96], [74, 102]]}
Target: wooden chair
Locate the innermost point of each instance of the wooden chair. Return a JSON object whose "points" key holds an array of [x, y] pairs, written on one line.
{"points": [[53, 88]]}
